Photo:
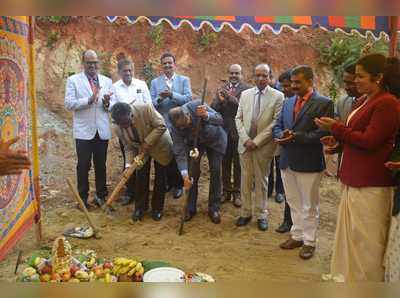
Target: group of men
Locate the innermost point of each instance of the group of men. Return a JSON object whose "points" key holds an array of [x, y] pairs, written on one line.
{"points": [[240, 132]]}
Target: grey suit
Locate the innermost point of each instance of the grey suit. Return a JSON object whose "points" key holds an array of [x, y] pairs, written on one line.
{"points": [[255, 164], [212, 140]]}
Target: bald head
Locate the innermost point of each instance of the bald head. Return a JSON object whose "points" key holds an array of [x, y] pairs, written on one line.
{"points": [[262, 75], [90, 62], [235, 73]]}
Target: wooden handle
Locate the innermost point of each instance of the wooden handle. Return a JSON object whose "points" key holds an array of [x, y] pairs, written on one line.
{"points": [[125, 177], [81, 204]]}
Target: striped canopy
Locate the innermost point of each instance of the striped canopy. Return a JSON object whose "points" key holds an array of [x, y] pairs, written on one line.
{"points": [[360, 24]]}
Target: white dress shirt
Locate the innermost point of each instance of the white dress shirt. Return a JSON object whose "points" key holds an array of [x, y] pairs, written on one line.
{"points": [[137, 91], [169, 81]]}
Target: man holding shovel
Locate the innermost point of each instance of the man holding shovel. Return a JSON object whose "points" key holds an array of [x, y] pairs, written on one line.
{"points": [[142, 130]]}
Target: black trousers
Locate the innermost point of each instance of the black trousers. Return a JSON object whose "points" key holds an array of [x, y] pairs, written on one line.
{"points": [[139, 185], [279, 183], [231, 162], [87, 150], [173, 175], [287, 217], [214, 195]]}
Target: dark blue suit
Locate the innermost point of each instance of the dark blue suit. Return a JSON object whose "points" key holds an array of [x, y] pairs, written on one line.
{"points": [[212, 140], [305, 153]]}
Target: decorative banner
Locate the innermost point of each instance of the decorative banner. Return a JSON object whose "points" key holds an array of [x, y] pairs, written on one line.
{"points": [[359, 24], [17, 204]]}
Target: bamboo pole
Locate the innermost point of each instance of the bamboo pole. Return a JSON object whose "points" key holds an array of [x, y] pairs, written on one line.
{"points": [[393, 23], [35, 146]]}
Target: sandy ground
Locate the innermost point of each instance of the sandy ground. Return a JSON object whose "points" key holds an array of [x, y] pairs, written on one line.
{"points": [[224, 251]]}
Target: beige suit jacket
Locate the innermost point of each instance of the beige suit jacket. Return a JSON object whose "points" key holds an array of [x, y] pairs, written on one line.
{"points": [[151, 129], [270, 109]]}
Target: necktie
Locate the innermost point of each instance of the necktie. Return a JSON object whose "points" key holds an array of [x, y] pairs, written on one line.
{"points": [[254, 117], [93, 84], [298, 106]]}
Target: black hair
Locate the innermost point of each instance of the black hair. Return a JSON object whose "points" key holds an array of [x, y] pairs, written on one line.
{"points": [[376, 64], [167, 54], [123, 62], [350, 68], [285, 76], [175, 114], [120, 110], [305, 70]]}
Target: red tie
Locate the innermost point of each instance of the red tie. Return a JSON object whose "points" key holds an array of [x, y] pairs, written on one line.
{"points": [[92, 85]]}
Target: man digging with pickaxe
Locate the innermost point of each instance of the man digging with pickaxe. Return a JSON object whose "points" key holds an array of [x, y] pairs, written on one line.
{"points": [[210, 138]]}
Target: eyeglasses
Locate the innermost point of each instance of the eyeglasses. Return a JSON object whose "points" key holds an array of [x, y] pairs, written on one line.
{"points": [[261, 76], [91, 62], [235, 73]]}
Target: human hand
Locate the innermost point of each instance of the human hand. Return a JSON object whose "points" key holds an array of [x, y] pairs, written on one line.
{"points": [[95, 96], [287, 137], [144, 147], [325, 123], [165, 94], [392, 165], [187, 182], [201, 111], [106, 99], [250, 145], [12, 162]]}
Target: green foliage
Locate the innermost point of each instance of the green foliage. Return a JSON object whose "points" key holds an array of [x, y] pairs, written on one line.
{"points": [[207, 38], [54, 19], [342, 50], [148, 73], [333, 90], [156, 35], [105, 60], [52, 38]]}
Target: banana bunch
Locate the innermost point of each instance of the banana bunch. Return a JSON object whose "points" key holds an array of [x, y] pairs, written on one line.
{"points": [[126, 266]]}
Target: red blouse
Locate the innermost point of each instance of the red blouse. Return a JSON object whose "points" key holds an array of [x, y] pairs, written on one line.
{"points": [[368, 142]]}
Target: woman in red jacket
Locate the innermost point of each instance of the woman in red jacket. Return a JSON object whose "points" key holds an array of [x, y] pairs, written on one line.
{"points": [[367, 138]]}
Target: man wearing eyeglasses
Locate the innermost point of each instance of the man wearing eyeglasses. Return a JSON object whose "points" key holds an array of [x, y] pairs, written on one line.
{"points": [[259, 109], [226, 102], [87, 95]]}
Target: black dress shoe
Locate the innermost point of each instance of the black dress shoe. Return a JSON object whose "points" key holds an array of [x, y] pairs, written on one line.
{"points": [[177, 192], [242, 221], [215, 217], [189, 215], [283, 228], [262, 224], [99, 201], [279, 198], [137, 215], [126, 200], [156, 215]]}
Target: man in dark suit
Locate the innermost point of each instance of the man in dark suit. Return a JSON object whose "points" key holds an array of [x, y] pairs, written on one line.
{"points": [[302, 160], [212, 140], [226, 102]]}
